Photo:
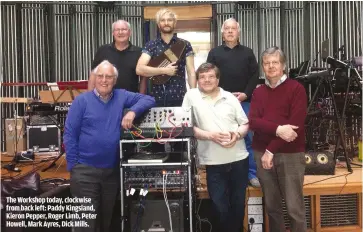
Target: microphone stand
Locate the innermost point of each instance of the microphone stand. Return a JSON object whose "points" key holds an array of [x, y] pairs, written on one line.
{"points": [[337, 118]]}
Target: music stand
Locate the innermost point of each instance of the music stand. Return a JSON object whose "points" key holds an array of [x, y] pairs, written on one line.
{"points": [[68, 90]]}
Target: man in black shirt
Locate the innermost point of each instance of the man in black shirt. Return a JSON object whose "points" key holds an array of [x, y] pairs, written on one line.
{"points": [[124, 56], [239, 75]]}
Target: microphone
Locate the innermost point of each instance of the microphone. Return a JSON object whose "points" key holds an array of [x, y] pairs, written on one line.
{"points": [[313, 75]]}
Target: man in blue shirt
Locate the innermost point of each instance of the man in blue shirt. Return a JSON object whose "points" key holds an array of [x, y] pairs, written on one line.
{"points": [[172, 93], [91, 137]]}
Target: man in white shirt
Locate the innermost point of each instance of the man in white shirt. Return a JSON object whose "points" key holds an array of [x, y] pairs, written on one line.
{"points": [[220, 127]]}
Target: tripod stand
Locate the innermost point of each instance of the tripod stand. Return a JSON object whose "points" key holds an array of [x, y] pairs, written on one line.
{"points": [[324, 79], [350, 79]]}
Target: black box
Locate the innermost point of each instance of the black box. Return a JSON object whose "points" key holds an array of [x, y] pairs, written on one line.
{"points": [[46, 137]]}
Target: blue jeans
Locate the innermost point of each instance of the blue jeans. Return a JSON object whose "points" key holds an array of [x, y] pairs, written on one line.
{"points": [[248, 140], [227, 185]]}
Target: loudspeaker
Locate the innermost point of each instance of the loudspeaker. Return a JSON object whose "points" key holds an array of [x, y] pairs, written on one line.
{"points": [[319, 163], [153, 215]]}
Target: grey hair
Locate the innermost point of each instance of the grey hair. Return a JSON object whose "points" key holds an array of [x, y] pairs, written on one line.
{"points": [[274, 50], [121, 21], [107, 63], [233, 20]]}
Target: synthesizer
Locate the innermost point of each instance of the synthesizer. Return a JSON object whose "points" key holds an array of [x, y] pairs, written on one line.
{"points": [[162, 122], [151, 177]]}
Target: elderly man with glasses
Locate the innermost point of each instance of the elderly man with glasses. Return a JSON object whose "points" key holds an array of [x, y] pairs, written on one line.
{"points": [[91, 137], [277, 116]]}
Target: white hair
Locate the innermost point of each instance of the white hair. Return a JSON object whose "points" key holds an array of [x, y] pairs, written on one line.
{"points": [[228, 20], [106, 63], [121, 21]]}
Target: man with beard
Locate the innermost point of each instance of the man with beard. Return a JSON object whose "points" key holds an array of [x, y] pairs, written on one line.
{"points": [[171, 93], [122, 54], [239, 75]]}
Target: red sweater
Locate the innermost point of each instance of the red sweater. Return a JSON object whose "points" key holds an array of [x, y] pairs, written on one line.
{"points": [[285, 104]]}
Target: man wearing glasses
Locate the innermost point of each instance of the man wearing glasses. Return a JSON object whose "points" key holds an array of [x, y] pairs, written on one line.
{"points": [[220, 126], [91, 137], [122, 54], [239, 75]]}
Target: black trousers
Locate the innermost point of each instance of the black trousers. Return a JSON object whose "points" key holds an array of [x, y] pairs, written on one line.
{"points": [[101, 185]]}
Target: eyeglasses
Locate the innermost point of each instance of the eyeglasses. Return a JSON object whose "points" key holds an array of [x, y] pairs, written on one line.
{"points": [[120, 29], [204, 78], [108, 77], [274, 63]]}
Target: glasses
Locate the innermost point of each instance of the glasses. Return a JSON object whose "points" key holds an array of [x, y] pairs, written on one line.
{"points": [[108, 77], [274, 63], [120, 30], [204, 78]]}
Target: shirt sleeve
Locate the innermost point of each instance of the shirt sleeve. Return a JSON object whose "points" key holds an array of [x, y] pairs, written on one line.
{"points": [[72, 131], [186, 102], [189, 50], [148, 49], [138, 103], [97, 59], [241, 116], [254, 75], [297, 117], [210, 58]]}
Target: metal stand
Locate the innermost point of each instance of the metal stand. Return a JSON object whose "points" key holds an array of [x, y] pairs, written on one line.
{"points": [[337, 118], [337, 145]]}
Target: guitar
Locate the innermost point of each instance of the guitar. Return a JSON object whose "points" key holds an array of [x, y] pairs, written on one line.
{"points": [[173, 54]]}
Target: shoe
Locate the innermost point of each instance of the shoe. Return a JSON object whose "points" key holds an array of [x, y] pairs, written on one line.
{"points": [[255, 182]]}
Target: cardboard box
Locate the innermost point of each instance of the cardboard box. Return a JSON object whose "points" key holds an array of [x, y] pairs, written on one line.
{"points": [[15, 135]]}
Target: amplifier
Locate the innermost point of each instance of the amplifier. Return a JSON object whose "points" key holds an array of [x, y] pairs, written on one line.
{"points": [[162, 122], [153, 215], [43, 138], [151, 177], [319, 163]]}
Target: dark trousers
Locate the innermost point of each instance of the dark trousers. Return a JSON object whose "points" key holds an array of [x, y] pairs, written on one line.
{"points": [[101, 185], [227, 185], [284, 181]]}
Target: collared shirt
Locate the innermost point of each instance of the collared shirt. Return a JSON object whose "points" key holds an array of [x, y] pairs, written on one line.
{"points": [[238, 67], [100, 97], [125, 61], [282, 79], [175, 88], [222, 114]]}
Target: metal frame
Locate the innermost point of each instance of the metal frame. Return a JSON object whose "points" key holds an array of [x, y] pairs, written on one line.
{"points": [[188, 163]]}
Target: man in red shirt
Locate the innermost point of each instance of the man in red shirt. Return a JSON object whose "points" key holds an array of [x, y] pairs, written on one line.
{"points": [[277, 115]]}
